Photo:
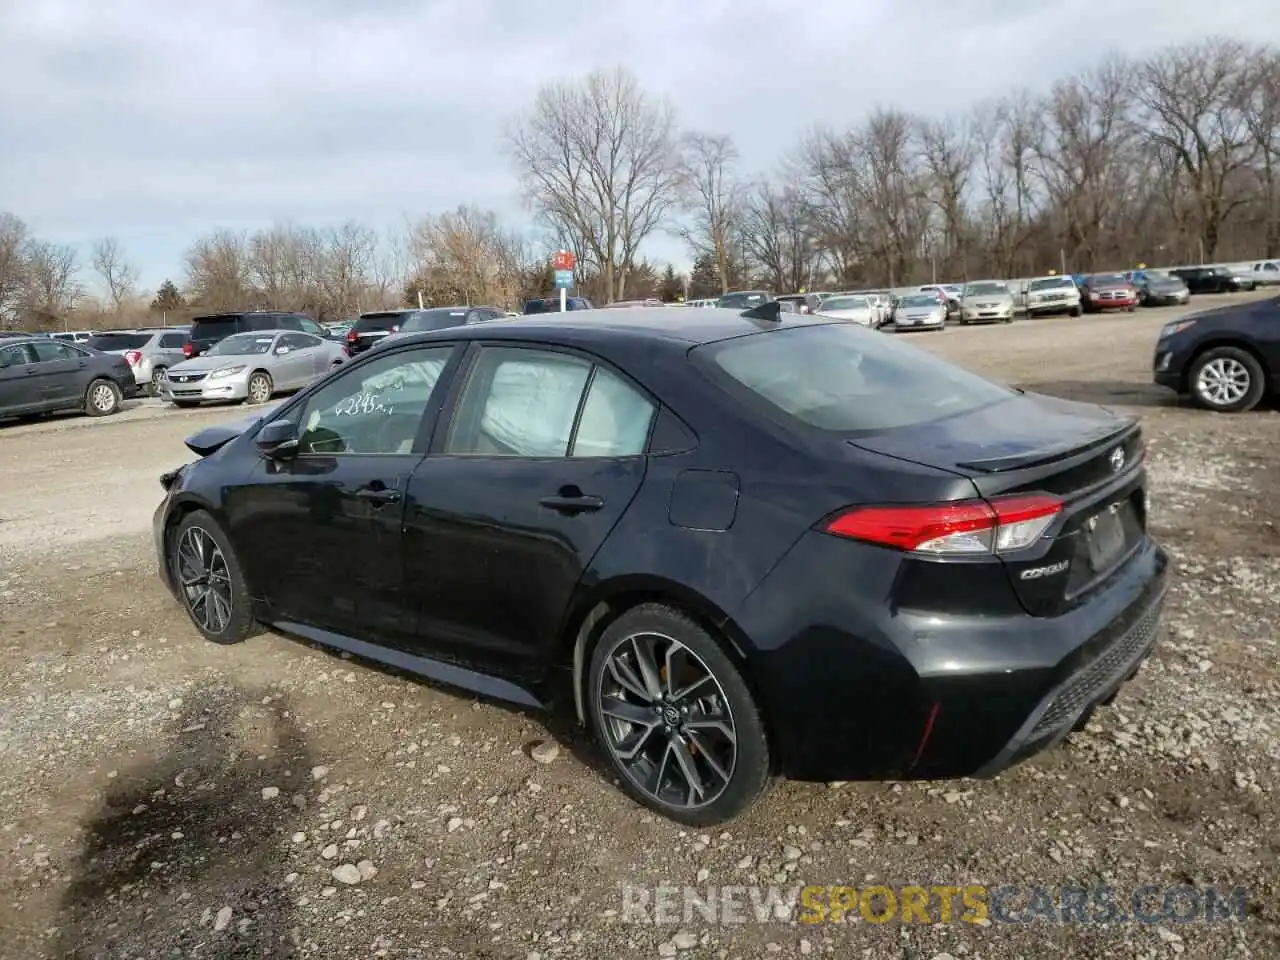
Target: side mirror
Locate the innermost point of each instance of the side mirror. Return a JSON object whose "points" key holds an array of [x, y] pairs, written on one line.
{"points": [[278, 439]]}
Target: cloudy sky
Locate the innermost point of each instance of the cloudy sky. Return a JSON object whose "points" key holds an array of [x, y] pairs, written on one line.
{"points": [[157, 121]]}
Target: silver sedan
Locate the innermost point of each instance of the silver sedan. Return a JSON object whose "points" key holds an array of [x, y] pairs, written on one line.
{"points": [[252, 367]]}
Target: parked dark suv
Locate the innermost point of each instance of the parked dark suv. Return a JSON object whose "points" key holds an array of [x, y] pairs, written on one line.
{"points": [[1207, 279], [206, 331]]}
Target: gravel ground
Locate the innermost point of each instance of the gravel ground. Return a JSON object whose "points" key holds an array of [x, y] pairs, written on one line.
{"points": [[165, 797]]}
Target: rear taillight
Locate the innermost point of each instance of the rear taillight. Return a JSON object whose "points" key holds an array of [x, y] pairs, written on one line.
{"points": [[187, 349], [352, 336], [133, 357], [964, 527]]}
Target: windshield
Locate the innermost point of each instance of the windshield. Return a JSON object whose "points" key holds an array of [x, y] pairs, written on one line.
{"points": [[242, 344], [845, 303], [743, 300], [433, 319], [1050, 283], [919, 300], [118, 341], [985, 290], [844, 378], [1107, 278]]}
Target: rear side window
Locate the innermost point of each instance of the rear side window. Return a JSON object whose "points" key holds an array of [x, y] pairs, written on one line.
{"points": [[119, 341], [846, 379], [433, 320], [214, 328], [173, 341]]}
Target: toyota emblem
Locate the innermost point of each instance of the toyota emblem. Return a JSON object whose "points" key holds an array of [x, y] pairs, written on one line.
{"points": [[1117, 459]]}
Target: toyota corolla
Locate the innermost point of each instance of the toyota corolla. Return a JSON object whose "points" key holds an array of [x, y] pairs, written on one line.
{"points": [[744, 545]]}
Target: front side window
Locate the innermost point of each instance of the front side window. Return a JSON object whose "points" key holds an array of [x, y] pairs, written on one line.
{"points": [[298, 341], [376, 408], [847, 379], [13, 356]]}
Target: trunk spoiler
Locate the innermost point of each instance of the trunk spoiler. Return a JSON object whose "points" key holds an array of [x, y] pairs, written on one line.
{"points": [[1035, 458]]}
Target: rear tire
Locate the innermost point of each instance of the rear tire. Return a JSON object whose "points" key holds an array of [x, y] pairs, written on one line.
{"points": [[102, 399], [1227, 379], [680, 692], [1076, 310], [157, 375], [209, 579]]}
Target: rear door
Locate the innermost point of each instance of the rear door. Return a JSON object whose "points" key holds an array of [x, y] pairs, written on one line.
{"points": [[542, 456]]}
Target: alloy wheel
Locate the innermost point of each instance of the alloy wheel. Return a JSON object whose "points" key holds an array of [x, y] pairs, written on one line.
{"points": [[205, 580], [103, 398], [259, 389], [1223, 381], [667, 721]]}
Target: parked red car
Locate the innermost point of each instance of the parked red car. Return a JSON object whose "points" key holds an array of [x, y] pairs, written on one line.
{"points": [[1108, 291]]}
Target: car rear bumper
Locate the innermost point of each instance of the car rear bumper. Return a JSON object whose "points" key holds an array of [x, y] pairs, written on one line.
{"points": [[856, 688]]}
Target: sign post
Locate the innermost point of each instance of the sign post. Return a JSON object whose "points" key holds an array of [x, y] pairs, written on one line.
{"points": [[563, 263]]}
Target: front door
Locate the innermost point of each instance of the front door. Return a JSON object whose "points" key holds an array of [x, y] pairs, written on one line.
{"points": [[321, 532], [296, 359], [20, 390], [61, 371], [543, 454]]}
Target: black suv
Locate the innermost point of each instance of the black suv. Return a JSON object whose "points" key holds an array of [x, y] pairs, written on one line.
{"points": [[1207, 279], [206, 331]]}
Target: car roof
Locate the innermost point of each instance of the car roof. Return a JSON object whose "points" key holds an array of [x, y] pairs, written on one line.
{"points": [[630, 325]]}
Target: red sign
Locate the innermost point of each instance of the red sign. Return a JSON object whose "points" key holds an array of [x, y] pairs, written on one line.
{"points": [[564, 260]]}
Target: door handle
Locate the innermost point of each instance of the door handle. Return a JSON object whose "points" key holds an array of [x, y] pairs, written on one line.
{"points": [[578, 503], [378, 495]]}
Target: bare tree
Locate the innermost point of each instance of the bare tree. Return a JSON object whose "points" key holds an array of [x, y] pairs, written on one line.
{"points": [[1263, 118], [465, 257], [13, 265], [597, 159], [51, 269], [118, 274], [1085, 155], [777, 235], [949, 149], [713, 197], [218, 271], [347, 257], [1197, 104]]}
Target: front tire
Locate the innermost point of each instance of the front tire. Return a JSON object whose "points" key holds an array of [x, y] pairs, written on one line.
{"points": [[259, 388], [102, 399], [1227, 379], [157, 376], [209, 579], [676, 717], [1076, 310]]}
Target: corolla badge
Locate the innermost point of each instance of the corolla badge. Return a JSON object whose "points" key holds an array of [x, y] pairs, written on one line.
{"points": [[1117, 459]]}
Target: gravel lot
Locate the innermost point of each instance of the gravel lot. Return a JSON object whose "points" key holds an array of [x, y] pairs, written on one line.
{"points": [[165, 797]]}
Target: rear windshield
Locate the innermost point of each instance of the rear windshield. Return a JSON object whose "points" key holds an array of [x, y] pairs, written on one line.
{"points": [[744, 300], [381, 322], [433, 320], [845, 303], [213, 328], [847, 379], [118, 341]]}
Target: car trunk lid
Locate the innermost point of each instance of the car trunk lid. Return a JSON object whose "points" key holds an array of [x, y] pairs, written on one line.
{"points": [[1088, 456]]}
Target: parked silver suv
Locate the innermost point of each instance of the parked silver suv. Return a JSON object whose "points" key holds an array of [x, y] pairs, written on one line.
{"points": [[149, 352]]}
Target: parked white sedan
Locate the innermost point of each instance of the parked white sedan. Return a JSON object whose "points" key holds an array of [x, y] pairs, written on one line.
{"points": [[252, 367], [853, 308]]}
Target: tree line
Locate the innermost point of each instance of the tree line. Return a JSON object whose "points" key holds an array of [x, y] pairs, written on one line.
{"points": [[1170, 159]]}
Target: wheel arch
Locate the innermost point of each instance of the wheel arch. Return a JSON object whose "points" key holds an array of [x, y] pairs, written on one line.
{"points": [[1226, 340], [186, 503], [594, 611]]}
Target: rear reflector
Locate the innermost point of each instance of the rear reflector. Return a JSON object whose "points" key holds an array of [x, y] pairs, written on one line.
{"points": [[963, 527]]}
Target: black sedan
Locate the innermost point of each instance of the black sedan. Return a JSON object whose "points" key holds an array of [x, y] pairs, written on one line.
{"points": [[1226, 359], [746, 544], [40, 375]]}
